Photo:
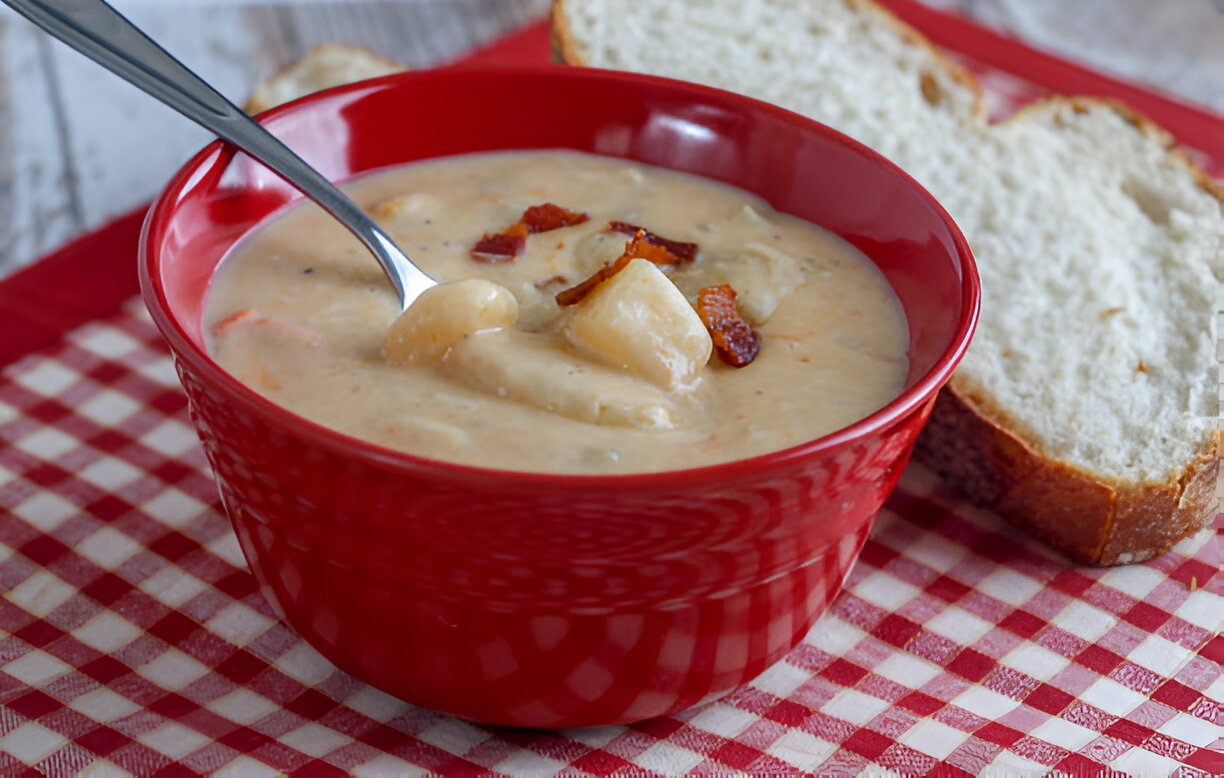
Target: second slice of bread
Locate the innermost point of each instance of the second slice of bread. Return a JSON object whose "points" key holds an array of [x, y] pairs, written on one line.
{"points": [[1086, 408]]}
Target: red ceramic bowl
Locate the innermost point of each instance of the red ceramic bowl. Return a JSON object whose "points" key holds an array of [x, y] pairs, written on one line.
{"points": [[555, 600]]}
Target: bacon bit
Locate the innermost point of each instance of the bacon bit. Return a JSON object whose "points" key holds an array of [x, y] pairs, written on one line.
{"points": [[548, 217], [734, 340], [638, 248], [508, 244], [501, 247], [577, 293], [680, 250]]}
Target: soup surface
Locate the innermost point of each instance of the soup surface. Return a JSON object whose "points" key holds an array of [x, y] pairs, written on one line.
{"points": [[620, 381]]}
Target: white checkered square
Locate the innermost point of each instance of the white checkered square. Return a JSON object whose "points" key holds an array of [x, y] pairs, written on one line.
{"points": [[1112, 697], [1008, 764], [1035, 661], [1160, 655], [1136, 580], [834, 636], [171, 438], [105, 768], [1086, 621], [781, 679], [110, 473], [386, 765], [379, 706], [174, 507], [304, 664], [885, 591], [108, 407], [226, 547], [1065, 734], [160, 371], [243, 706], [239, 624], [1202, 608], [315, 739], [106, 342], [107, 632], [1140, 761], [172, 586], [456, 736], [855, 707], [983, 702], [959, 626], [174, 740], [802, 749], [662, 757], [47, 377], [48, 443], [936, 552], [102, 704], [909, 671], [41, 593], [1009, 586], [1193, 730], [30, 743], [108, 547], [44, 510], [248, 767], [36, 668], [933, 738], [172, 669], [723, 720]]}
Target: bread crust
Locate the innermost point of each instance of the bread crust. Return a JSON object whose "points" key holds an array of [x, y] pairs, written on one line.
{"points": [[563, 50], [974, 443], [1092, 519]]}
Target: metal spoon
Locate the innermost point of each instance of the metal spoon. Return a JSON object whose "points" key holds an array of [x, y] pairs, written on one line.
{"points": [[104, 35]]}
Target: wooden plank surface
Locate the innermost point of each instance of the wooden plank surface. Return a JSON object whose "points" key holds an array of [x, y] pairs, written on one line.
{"points": [[79, 147]]}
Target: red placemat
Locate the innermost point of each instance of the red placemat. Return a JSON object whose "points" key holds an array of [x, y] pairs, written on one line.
{"points": [[135, 640]]}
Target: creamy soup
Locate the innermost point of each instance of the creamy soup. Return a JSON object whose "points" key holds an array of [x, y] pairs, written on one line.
{"points": [[626, 377]]}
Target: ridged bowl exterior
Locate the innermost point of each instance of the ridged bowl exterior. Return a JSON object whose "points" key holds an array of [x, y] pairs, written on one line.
{"points": [[532, 599]]}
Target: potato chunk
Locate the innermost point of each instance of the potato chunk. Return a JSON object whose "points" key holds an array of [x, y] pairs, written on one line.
{"points": [[532, 369], [639, 321], [761, 275], [443, 315]]}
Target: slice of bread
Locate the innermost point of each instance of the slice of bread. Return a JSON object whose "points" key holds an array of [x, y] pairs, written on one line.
{"points": [[1086, 409], [324, 66]]}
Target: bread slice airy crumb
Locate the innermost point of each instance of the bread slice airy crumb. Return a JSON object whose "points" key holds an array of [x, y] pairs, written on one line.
{"points": [[1086, 409]]}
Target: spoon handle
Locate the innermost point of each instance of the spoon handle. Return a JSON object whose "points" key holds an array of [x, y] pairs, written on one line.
{"points": [[104, 35]]}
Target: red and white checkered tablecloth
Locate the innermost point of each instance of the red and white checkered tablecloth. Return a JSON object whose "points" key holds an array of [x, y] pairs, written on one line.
{"points": [[133, 639]]}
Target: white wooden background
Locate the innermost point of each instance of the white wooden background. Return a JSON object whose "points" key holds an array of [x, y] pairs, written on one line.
{"points": [[78, 146]]}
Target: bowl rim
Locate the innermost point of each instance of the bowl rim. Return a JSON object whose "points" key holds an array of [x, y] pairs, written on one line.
{"points": [[160, 215]]}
